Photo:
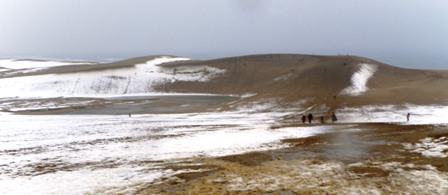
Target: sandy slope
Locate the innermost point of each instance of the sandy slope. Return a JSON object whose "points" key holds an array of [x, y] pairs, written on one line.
{"points": [[319, 78]]}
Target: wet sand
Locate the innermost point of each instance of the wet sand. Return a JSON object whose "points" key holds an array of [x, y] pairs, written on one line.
{"points": [[363, 159]]}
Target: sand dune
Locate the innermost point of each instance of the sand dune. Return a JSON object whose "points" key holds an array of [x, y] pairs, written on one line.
{"points": [[333, 82], [320, 78]]}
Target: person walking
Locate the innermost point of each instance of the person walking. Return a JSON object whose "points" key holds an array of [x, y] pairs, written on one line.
{"points": [[310, 118], [408, 116], [303, 119], [333, 117]]}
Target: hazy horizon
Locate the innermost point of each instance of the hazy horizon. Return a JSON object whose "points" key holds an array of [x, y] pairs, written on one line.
{"points": [[403, 33]]}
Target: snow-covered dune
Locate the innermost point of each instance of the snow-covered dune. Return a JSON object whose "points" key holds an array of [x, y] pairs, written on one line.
{"points": [[140, 78]]}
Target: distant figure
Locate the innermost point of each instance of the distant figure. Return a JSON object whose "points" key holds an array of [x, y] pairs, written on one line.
{"points": [[407, 116], [174, 71], [333, 117], [310, 118], [129, 115], [322, 119], [334, 97], [303, 119]]}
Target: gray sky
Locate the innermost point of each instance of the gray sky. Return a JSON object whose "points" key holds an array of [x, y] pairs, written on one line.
{"points": [[407, 33]]}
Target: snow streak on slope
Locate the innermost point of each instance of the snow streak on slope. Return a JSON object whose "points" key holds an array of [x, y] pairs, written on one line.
{"points": [[138, 79], [359, 80]]}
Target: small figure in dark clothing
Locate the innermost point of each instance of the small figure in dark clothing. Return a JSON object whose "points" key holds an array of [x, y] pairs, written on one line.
{"points": [[303, 119], [333, 117], [310, 118], [322, 119], [129, 114], [407, 116]]}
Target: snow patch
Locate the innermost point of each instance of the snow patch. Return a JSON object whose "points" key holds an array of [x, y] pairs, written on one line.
{"points": [[430, 147], [283, 77], [359, 80]]}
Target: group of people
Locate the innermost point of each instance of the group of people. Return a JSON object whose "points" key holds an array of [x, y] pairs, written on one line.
{"points": [[322, 118], [333, 118]]}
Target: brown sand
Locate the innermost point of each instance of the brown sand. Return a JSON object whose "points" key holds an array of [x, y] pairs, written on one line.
{"points": [[371, 160], [295, 77]]}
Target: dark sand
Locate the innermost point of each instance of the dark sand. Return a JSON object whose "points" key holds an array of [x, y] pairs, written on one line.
{"points": [[370, 160]]}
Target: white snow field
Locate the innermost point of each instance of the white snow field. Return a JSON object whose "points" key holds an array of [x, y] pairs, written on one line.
{"points": [[76, 154]]}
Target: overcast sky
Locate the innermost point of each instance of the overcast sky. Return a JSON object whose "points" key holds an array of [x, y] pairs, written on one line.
{"points": [[407, 33]]}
